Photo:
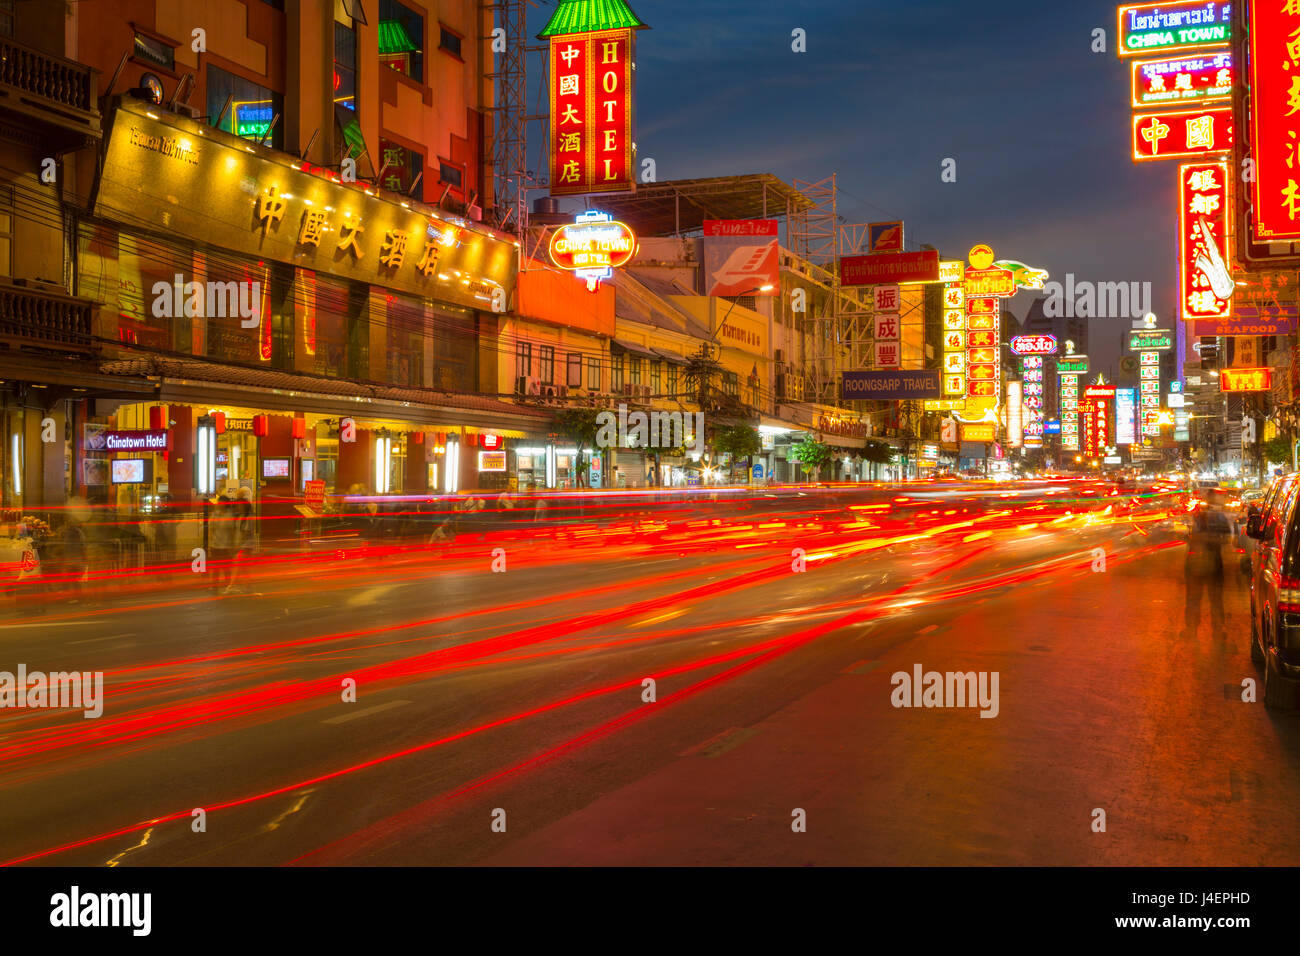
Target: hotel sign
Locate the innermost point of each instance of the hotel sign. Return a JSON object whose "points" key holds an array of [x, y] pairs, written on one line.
{"points": [[149, 440], [178, 178], [591, 113]]}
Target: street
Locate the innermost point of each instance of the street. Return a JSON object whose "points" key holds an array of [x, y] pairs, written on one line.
{"points": [[503, 717]]}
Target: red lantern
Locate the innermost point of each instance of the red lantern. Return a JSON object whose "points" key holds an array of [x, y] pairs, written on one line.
{"points": [[300, 428], [261, 425], [219, 422], [417, 438], [472, 440], [158, 417], [442, 437]]}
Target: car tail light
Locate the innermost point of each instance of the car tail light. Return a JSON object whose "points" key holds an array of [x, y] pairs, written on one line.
{"points": [[1288, 595]]}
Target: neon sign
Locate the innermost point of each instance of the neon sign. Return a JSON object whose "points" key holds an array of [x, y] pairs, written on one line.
{"points": [[1176, 25], [593, 246]]}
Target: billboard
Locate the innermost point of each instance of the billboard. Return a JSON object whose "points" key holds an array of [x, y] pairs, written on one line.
{"points": [[1034, 344], [1191, 80], [1126, 405], [740, 257], [1205, 285], [1142, 339], [1177, 25], [1181, 134], [889, 385], [591, 78], [885, 236], [890, 267], [1275, 195]]}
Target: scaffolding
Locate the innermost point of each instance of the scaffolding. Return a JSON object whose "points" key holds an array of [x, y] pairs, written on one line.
{"points": [[511, 178], [840, 326]]}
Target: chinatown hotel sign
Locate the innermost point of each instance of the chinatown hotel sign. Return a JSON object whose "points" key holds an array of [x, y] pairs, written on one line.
{"points": [[176, 178], [591, 56]]}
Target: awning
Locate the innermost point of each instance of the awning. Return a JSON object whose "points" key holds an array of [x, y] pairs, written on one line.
{"points": [[670, 357], [634, 348]]}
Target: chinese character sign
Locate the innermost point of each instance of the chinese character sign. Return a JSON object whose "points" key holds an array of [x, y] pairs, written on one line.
{"points": [[1205, 284], [1182, 133], [1274, 135], [591, 113]]}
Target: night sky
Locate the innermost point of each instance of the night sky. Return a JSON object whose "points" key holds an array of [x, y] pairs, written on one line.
{"points": [[1037, 122]]}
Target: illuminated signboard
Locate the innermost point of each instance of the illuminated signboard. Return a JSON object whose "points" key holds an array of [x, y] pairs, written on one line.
{"points": [[1139, 339], [1245, 379], [980, 432], [1180, 81], [253, 120], [1031, 374], [951, 270], [1181, 134], [490, 442], [592, 247], [1205, 284], [1274, 79], [1034, 344], [1067, 364], [591, 91], [1126, 416], [491, 461], [990, 282], [1169, 26], [954, 338], [150, 440]]}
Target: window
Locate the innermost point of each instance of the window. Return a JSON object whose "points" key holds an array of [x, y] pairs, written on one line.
{"points": [[731, 383], [345, 66], [524, 359], [593, 374], [401, 169], [546, 363], [655, 377], [401, 39], [616, 372], [634, 366], [450, 175], [155, 52], [6, 231], [449, 41], [672, 379], [7, 18], [573, 377], [252, 107]]}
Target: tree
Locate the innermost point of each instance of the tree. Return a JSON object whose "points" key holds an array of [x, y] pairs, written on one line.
{"points": [[1277, 450], [738, 441], [878, 452], [580, 423], [811, 454]]}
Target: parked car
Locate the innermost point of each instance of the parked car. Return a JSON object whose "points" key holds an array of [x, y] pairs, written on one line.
{"points": [[1275, 592]]}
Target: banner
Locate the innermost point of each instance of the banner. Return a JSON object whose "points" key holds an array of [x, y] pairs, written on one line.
{"points": [[740, 257], [891, 385]]}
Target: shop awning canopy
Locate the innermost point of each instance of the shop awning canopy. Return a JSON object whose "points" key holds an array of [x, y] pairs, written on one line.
{"points": [[670, 357], [634, 348], [194, 380]]}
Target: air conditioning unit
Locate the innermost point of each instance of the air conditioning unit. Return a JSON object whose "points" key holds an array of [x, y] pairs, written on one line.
{"points": [[549, 390], [185, 109], [533, 386], [645, 393], [628, 389]]}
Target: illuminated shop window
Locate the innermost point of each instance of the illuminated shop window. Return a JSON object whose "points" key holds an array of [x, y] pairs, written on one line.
{"points": [[251, 110], [401, 39]]}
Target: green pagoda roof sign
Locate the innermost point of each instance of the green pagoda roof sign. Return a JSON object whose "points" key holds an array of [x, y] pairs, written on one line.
{"points": [[588, 16]]}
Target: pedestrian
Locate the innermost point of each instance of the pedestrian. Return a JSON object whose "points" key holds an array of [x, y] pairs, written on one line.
{"points": [[242, 538], [221, 540], [1208, 531]]}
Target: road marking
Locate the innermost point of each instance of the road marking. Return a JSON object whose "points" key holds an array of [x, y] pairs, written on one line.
{"points": [[5, 627], [93, 640], [719, 744], [344, 718], [662, 617], [861, 667], [928, 629]]}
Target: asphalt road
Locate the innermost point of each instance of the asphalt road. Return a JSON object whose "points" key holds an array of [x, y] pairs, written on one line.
{"points": [[504, 717]]}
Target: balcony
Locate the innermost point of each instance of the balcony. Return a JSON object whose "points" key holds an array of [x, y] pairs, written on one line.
{"points": [[46, 320], [58, 93]]}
